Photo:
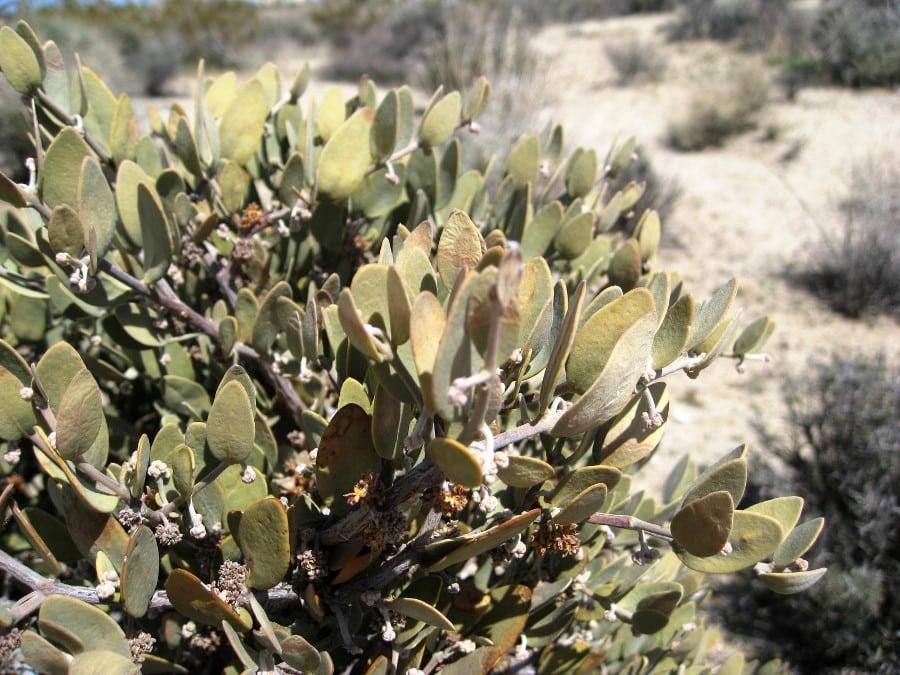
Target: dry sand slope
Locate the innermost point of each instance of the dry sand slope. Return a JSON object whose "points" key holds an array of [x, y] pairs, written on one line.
{"points": [[745, 211]]}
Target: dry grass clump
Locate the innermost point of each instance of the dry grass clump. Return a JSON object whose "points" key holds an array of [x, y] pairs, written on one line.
{"points": [[856, 266], [635, 60]]}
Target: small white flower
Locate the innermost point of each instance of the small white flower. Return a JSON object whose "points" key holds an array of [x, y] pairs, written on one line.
{"points": [[198, 530], [12, 457], [52, 438], [488, 503], [519, 550], [158, 469], [105, 590], [249, 475], [188, 630], [388, 634], [466, 646], [174, 273], [26, 393], [522, 647]]}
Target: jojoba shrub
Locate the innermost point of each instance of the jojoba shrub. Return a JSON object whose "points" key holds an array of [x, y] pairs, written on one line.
{"points": [[286, 387]]}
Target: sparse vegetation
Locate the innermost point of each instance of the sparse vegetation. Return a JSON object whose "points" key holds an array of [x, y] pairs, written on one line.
{"points": [[842, 457], [856, 265], [857, 42], [431, 46], [635, 60], [722, 109], [752, 23]]}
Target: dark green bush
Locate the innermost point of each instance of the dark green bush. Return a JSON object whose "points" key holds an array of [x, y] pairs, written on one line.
{"points": [[856, 266], [858, 42], [755, 23], [842, 457]]}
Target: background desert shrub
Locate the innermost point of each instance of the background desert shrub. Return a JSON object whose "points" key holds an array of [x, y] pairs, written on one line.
{"points": [[389, 47], [711, 19], [856, 266], [635, 60], [432, 44], [494, 42], [842, 459], [720, 109], [582, 10], [153, 62], [858, 42], [340, 19]]}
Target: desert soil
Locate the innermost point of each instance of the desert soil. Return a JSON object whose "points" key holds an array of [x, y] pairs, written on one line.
{"points": [[750, 209]]}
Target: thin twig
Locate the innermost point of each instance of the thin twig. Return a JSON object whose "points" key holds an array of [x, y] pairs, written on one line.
{"points": [[631, 523], [42, 588]]}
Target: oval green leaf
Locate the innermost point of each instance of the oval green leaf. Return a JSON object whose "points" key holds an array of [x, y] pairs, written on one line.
{"points": [[753, 538], [18, 62], [703, 526], [264, 540], [229, 428], [80, 416], [798, 542], [140, 571], [788, 583], [525, 472], [346, 157], [193, 600], [459, 464]]}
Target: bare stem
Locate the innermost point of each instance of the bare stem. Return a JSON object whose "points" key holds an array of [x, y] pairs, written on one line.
{"points": [[63, 116], [42, 588], [631, 523], [679, 364], [101, 478]]}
